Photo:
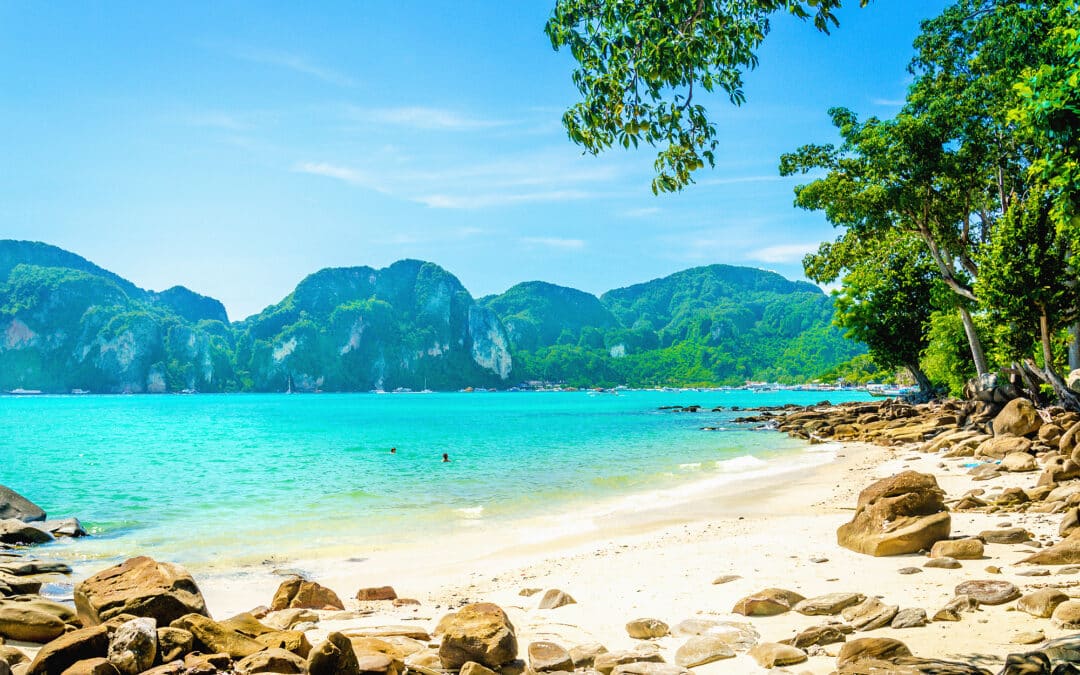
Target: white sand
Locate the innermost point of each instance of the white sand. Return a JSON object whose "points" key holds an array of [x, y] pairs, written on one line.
{"points": [[659, 561]]}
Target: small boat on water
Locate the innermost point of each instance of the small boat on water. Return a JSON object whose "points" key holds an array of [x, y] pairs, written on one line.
{"points": [[882, 391], [25, 392]]}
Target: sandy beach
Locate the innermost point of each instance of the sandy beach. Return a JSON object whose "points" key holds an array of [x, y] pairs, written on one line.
{"points": [[777, 531]]}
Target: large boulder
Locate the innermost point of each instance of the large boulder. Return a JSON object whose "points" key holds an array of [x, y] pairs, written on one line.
{"points": [[133, 647], [1018, 418], [29, 624], [297, 593], [67, 650], [479, 632], [214, 638], [333, 657], [904, 513], [15, 531], [139, 587], [14, 505], [1065, 552]]}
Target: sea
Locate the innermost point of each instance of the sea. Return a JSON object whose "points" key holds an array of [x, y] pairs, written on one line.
{"points": [[237, 479]]}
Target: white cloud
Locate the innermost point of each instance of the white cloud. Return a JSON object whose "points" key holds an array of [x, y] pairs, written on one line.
{"points": [[782, 253], [423, 117], [556, 242], [483, 200], [295, 63], [738, 180], [888, 102]]}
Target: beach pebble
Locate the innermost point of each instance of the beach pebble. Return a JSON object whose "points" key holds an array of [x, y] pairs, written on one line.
{"points": [[909, 570], [702, 649], [960, 549], [911, 617], [993, 569], [819, 559], [555, 598], [374, 593], [989, 592], [133, 647], [1028, 637], [1007, 535], [547, 656], [1037, 572], [862, 649], [645, 629], [830, 604], [773, 654], [583, 656], [1041, 603], [945, 563], [767, 602], [725, 578]]}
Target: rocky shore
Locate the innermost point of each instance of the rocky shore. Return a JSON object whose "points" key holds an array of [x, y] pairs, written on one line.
{"points": [[944, 539]]}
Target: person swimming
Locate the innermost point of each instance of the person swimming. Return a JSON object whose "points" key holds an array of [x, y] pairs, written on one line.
{"points": [[393, 451], [446, 457]]}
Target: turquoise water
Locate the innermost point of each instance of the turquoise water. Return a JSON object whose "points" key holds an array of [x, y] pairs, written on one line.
{"points": [[212, 478]]}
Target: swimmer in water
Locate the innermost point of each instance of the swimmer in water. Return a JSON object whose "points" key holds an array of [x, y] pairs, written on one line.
{"points": [[393, 451], [445, 457]]}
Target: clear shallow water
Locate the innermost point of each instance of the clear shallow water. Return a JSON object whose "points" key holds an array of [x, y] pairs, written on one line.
{"points": [[229, 479]]}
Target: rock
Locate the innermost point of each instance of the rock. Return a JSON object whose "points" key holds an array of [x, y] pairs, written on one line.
{"points": [[828, 605], [969, 548], [1019, 418], [645, 629], [984, 472], [64, 527], [375, 664], [297, 593], [1010, 535], [13, 656], [246, 624], [555, 598], [212, 637], [385, 632], [989, 592], [943, 563], [1041, 603], [14, 506], [97, 666], [818, 635], [335, 656], [547, 656], [478, 632], [24, 567], [725, 578], [1028, 637], [870, 648], [139, 587], [1050, 434], [13, 585], [1067, 614], [1065, 552], [870, 614], [767, 602], [67, 650], [14, 531], [1069, 522], [773, 654], [911, 617], [474, 668], [691, 627], [904, 513], [648, 668], [376, 593], [1000, 446], [955, 607], [287, 618], [1018, 462], [702, 649], [606, 663], [207, 664], [133, 647], [909, 570], [272, 661], [28, 624], [174, 643], [584, 655]]}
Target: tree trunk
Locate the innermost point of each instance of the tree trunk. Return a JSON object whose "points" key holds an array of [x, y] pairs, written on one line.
{"points": [[1067, 398], [1044, 336], [920, 378], [1074, 346], [973, 341]]}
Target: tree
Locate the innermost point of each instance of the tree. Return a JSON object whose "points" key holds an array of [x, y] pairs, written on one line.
{"points": [[885, 297], [639, 62]]}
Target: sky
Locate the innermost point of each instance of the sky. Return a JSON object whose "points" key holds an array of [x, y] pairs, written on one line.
{"points": [[236, 147]]}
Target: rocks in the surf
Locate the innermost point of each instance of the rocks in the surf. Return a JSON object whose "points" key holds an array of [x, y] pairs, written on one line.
{"points": [[14, 505], [702, 649], [767, 602], [63, 527], [334, 656], [1018, 418], [272, 661], [211, 637], [904, 513], [297, 593], [478, 632], [15, 531], [774, 654], [829, 604], [555, 598], [989, 591], [1041, 603], [133, 647], [646, 628], [140, 587], [28, 566], [68, 649], [546, 656], [373, 593]]}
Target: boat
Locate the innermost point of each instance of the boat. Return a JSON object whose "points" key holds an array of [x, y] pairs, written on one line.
{"points": [[25, 392]]}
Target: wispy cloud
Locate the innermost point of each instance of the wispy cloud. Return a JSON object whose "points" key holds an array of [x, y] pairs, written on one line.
{"points": [[888, 102], [294, 62], [782, 253], [479, 201], [739, 180], [555, 242], [342, 173], [423, 117], [643, 212]]}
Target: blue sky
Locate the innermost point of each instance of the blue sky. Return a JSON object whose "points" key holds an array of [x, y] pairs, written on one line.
{"points": [[236, 147]]}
